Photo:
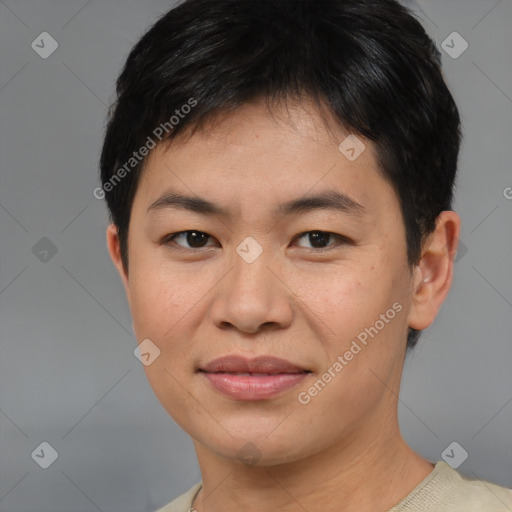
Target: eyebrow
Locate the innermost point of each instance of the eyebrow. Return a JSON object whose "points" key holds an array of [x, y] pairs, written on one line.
{"points": [[328, 200]]}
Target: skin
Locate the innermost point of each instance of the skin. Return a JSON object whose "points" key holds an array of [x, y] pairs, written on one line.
{"points": [[343, 451]]}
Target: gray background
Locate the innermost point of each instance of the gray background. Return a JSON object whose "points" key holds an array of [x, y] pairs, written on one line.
{"points": [[68, 375]]}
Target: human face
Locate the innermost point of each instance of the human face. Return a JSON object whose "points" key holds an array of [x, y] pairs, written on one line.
{"points": [[299, 296]]}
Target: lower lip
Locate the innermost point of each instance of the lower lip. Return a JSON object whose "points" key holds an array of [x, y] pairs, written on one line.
{"points": [[250, 387]]}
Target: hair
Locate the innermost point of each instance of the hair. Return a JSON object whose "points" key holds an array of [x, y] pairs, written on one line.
{"points": [[369, 61]]}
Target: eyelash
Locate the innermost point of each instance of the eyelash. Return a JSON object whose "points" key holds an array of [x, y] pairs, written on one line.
{"points": [[168, 239]]}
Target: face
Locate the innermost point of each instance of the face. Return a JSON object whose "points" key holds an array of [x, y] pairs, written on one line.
{"points": [[293, 252]]}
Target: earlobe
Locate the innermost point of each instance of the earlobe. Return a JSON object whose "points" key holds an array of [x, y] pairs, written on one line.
{"points": [[114, 249], [434, 273]]}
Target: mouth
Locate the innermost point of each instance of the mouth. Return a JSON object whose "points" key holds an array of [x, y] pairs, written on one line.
{"points": [[255, 374], [260, 378], [238, 364]]}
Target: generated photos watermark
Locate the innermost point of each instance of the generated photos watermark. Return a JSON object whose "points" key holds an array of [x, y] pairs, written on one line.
{"points": [[143, 151], [305, 397]]}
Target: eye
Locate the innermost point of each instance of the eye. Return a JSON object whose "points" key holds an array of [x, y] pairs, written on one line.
{"points": [[195, 239], [320, 239], [198, 239]]}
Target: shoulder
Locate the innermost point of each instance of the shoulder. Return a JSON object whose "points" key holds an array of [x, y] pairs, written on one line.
{"points": [[183, 502], [446, 490], [484, 496]]}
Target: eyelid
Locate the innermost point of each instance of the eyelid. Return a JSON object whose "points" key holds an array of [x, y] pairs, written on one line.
{"points": [[169, 239], [341, 239]]}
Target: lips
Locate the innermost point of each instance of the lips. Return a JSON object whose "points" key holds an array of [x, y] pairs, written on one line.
{"points": [[259, 365], [258, 378]]}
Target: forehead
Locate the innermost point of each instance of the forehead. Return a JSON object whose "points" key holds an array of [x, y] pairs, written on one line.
{"points": [[260, 153]]}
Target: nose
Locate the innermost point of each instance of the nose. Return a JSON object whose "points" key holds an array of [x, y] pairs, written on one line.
{"points": [[253, 297]]}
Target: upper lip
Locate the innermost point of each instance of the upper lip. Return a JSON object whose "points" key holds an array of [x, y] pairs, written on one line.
{"points": [[260, 364]]}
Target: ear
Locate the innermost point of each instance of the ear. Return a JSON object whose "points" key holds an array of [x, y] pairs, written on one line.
{"points": [[114, 249], [433, 275]]}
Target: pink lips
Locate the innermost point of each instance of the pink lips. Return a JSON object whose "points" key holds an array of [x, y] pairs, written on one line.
{"points": [[252, 379]]}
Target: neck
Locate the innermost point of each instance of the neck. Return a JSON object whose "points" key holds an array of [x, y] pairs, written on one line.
{"points": [[365, 472]]}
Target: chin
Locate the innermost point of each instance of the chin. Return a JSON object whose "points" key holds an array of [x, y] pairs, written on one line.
{"points": [[255, 448]]}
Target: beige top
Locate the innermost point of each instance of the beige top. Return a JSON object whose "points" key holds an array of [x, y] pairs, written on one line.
{"points": [[443, 490]]}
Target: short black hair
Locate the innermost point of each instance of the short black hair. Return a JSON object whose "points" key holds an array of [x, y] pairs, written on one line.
{"points": [[369, 61]]}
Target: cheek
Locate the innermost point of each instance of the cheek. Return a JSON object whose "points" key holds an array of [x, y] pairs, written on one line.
{"points": [[350, 302], [147, 306], [166, 308], [348, 292], [159, 297]]}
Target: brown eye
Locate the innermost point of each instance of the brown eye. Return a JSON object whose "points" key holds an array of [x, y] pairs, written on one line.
{"points": [[320, 239], [194, 239]]}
